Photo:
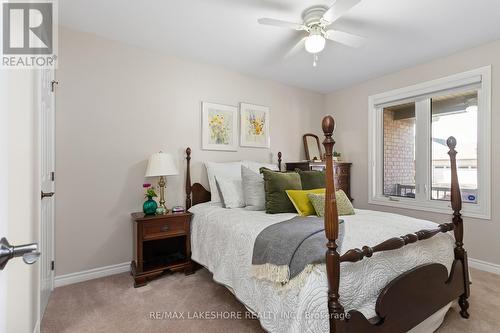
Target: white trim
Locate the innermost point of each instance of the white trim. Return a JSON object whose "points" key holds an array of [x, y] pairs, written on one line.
{"points": [[67, 279], [484, 266], [481, 210], [421, 89], [95, 273], [37, 326]]}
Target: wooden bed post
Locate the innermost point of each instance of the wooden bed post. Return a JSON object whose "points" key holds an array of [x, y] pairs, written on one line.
{"points": [[335, 309], [188, 178], [195, 193], [456, 205], [279, 161]]}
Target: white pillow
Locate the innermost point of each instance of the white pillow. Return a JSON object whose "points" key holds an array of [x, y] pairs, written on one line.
{"points": [[231, 191], [230, 170], [255, 166], [253, 189]]}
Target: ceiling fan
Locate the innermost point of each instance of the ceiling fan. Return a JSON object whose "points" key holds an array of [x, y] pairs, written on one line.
{"points": [[316, 22]]}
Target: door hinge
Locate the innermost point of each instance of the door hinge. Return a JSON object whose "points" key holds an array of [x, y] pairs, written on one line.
{"points": [[52, 265], [52, 176], [52, 85]]}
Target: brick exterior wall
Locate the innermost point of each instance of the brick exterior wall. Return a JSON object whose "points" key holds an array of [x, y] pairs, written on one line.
{"points": [[399, 152]]}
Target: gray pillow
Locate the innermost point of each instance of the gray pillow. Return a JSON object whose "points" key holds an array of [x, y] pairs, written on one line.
{"points": [[253, 189]]}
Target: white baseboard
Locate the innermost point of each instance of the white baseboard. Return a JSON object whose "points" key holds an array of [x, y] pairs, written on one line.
{"points": [[37, 327], [484, 266], [63, 280]]}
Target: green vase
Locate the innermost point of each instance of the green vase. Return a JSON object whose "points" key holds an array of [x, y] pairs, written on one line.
{"points": [[149, 206]]}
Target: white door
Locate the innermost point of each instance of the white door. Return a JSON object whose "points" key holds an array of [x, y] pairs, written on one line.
{"points": [[47, 177], [3, 195], [19, 283]]}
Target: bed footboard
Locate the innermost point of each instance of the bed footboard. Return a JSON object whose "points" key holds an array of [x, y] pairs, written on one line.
{"points": [[411, 297]]}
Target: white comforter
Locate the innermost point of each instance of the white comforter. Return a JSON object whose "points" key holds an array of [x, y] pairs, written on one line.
{"points": [[222, 240]]}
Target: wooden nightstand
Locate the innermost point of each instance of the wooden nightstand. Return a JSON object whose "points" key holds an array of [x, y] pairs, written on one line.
{"points": [[161, 242]]}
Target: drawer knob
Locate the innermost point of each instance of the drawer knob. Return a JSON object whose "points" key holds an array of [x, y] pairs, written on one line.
{"points": [[164, 228]]}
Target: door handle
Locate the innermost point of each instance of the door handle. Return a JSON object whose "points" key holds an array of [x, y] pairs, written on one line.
{"points": [[47, 194], [29, 252]]}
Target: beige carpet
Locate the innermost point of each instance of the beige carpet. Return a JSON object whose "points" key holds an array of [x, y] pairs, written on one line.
{"points": [[111, 304]]}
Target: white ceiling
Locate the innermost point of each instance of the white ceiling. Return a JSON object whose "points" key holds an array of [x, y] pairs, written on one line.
{"points": [[400, 33]]}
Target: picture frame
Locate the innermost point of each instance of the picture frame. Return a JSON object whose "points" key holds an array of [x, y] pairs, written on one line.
{"points": [[254, 126], [219, 127]]}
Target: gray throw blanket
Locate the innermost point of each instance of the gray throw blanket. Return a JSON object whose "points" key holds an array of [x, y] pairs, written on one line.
{"points": [[287, 249]]}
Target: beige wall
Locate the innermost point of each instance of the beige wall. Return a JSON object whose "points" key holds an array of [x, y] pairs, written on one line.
{"points": [[350, 109], [117, 104]]}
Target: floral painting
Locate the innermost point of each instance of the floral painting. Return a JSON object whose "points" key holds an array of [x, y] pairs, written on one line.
{"points": [[219, 127], [254, 125]]}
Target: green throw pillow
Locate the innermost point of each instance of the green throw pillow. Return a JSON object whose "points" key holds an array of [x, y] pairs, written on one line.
{"points": [[312, 179], [275, 185], [344, 205]]}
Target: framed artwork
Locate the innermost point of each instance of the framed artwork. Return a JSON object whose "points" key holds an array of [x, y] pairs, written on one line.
{"points": [[254, 121], [219, 127]]}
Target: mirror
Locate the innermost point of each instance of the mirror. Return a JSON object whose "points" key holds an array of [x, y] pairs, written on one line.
{"points": [[312, 147]]}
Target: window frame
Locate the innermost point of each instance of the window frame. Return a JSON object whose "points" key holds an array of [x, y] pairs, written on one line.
{"points": [[421, 94]]}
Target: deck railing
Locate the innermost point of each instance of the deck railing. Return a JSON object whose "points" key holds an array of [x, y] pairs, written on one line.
{"points": [[438, 193]]}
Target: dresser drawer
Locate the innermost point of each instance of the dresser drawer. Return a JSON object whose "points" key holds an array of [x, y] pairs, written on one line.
{"points": [[164, 228], [342, 170], [340, 181]]}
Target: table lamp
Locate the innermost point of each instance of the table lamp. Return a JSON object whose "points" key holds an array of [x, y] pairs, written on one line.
{"points": [[160, 165]]}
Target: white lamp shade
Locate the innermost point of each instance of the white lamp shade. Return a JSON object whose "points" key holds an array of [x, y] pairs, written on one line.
{"points": [[161, 164]]}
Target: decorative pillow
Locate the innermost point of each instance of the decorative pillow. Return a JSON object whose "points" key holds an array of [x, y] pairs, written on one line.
{"points": [[230, 170], [344, 205], [301, 202], [312, 179], [231, 191], [275, 185], [253, 189], [255, 166]]}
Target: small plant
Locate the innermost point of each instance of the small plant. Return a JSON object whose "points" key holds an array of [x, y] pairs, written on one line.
{"points": [[150, 192], [336, 154]]}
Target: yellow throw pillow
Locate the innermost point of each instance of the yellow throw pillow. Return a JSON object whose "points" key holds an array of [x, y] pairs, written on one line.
{"points": [[301, 201]]}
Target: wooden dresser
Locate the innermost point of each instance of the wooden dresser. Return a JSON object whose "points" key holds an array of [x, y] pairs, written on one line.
{"points": [[342, 173]]}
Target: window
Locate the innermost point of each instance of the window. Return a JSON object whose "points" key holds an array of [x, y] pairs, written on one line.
{"points": [[410, 166], [451, 112], [399, 150]]}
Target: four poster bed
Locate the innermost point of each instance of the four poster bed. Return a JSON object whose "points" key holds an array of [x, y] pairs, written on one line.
{"points": [[394, 291]]}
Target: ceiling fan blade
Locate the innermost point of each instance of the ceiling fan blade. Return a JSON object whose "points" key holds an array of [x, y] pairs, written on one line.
{"points": [[296, 49], [345, 38], [339, 8], [282, 24]]}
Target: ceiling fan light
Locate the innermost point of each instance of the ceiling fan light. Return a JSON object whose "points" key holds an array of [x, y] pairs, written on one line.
{"points": [[315, 43]]}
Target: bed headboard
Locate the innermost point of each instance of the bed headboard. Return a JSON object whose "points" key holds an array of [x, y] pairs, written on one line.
{"points": [[196, 193]]}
